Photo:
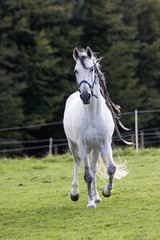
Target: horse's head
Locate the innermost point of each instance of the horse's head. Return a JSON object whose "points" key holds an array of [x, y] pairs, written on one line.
{"points": [[85, 72]]}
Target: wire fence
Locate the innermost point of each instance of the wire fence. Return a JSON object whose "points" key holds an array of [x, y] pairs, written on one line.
{"points": [[149, 136], [31, 148], [30, 126], [144, 137], [55, 144]]}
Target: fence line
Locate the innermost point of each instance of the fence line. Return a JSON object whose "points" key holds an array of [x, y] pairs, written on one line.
{"points": [[32, 141], [151, 137], [140, 111], [30, 126], [149, 111], [32, 148], [64, 139], [60, 122], [128, 135], [148, 142]]}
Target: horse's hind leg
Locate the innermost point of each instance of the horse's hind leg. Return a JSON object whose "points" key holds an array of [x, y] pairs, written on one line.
{"points": [[111, 168], [76, 159], [95, 156], [88, 175]]}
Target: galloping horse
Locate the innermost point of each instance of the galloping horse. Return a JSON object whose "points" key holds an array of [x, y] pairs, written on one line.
{"points": [[89, 121]]}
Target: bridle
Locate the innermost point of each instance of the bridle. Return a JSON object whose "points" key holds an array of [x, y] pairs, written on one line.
{"points": [[94, 82]]}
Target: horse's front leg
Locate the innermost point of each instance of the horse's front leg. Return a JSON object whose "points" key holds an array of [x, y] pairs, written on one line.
{"points": [[75, 192], [106, 152], [88, 176], [76, 159], [95, 156]]}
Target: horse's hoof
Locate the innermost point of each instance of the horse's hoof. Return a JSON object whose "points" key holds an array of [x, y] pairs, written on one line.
{"points": [[74, 197], [98, 200], [91, 205], [108, 194]]}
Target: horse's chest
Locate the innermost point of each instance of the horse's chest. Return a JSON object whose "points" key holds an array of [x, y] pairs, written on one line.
{"points": [[94, 136]]}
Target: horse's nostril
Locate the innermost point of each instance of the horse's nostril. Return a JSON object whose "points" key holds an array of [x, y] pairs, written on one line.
{"points": [[85, 96]]}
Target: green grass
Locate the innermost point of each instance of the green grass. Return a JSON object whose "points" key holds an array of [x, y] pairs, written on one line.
{"points": [[35, 200]]}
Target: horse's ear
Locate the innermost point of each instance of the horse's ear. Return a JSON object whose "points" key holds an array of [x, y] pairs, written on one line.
{"points": [[75, 53], [89, 52]]}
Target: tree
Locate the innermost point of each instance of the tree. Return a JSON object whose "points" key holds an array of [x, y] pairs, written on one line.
{"points": [[42, 35], [148, 68], [37, 40], [11, 78], [111, 33]]}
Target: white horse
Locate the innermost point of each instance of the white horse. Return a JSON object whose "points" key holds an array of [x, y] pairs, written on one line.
{"points": [[89, 126]]}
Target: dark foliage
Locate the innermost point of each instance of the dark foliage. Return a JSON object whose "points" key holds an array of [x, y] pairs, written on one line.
{"points": [[37, 40]]}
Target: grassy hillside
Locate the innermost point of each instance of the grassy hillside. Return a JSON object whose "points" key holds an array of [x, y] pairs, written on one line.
{"points": [[35, 200]]}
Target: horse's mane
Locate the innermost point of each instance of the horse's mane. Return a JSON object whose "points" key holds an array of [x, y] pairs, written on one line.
{"points": [[114, 108]]}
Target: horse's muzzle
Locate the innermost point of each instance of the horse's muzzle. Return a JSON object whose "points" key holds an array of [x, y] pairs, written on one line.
{"points": [[85, 96]]}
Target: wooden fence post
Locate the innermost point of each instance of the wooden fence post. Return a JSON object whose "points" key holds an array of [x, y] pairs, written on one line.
{"points": [[55, 150], [133, 141]]}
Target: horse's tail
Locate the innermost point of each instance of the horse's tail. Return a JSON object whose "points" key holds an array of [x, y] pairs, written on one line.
{"points": [[121, 169]]}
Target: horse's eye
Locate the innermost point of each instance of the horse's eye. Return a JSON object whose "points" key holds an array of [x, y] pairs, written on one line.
{"points": [[91, 69]]}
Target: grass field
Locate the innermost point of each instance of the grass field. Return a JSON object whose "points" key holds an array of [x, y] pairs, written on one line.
{"points": [[35, 200]]}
